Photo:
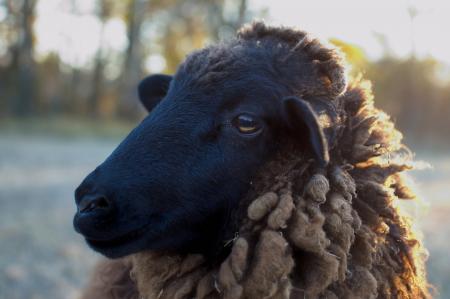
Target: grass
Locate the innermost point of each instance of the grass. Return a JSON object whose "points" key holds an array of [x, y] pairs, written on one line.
{"points": [[66, 127]]}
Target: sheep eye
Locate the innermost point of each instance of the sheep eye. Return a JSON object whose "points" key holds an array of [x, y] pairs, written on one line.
{"points": [[246, 124]]}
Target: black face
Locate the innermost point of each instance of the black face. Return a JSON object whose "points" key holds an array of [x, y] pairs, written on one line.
{"points": [[173, 182]]}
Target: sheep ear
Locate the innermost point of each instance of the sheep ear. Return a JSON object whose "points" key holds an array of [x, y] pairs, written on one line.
{"points": [[153, 89], [299, 113]]}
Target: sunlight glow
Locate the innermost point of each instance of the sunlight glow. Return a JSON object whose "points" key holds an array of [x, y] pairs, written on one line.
{"points": [[76, 35], [155, 63], [2, 14], [367, 23]]}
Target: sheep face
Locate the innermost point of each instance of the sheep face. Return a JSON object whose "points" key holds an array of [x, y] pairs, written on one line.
{"points": [[176, 178]]}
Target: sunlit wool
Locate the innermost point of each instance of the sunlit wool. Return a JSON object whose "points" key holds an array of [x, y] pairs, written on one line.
{"points": [[303, 232]]}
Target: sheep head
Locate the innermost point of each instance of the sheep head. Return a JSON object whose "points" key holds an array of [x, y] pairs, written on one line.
{"points": [[174, 181]]}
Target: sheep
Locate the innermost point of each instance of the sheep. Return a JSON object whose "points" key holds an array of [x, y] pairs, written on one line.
{"points": [[260, 172]]}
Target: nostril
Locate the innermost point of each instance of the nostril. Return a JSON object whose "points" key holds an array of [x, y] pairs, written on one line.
{"points": [[92, 203], [102, 203]]}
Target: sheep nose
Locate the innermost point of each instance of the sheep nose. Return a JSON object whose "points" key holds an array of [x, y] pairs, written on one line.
{"points": [[94, 203]]}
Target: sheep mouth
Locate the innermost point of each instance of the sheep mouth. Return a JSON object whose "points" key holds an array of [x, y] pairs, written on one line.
{"points": [[119, 241]]}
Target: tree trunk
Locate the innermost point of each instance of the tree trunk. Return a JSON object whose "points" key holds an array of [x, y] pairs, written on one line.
{"points": [[26, 76], [97, 79], [132, 71], [242, 13]]}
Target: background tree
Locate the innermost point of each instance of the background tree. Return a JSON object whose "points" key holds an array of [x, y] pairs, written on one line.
{"points": [[104, 10], [165, 31], [21, 70]]}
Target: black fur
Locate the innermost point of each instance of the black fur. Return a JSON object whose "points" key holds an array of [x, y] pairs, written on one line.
{"points": [[176, 178], [152, 89]]}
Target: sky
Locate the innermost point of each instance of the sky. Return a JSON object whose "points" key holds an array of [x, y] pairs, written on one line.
{"points": [[364, 22], [75, 34]]}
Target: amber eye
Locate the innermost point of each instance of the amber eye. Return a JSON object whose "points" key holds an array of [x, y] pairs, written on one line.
{"points": [[246, 124]]}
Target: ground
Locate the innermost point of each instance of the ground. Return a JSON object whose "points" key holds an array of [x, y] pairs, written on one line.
{"points": [[42, 257]]}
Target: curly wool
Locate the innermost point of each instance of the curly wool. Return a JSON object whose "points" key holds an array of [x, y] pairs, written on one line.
{"points": [[307, 232]]}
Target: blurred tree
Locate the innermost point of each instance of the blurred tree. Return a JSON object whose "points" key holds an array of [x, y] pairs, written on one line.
{"points": [[167, 30], [104, 10], [195, 23], [408, 89], [132, 66], [50, 82], [22, 68]]}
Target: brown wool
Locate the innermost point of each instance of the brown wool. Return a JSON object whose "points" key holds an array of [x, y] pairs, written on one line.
{"points": [[334, 233]]}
